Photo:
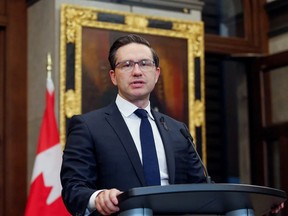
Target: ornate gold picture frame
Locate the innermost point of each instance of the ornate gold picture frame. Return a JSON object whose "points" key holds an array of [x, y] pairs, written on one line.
{"points": [[86, 36]]}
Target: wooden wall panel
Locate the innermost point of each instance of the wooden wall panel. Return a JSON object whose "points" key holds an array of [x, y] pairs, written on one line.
{"points": [[13, 106], [1, 120]]}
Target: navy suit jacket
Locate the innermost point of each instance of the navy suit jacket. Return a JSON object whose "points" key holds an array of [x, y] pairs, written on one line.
{"points": [[100, 154]]}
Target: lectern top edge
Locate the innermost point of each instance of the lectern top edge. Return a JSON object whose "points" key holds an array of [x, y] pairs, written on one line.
{"points": [[179, 188]]}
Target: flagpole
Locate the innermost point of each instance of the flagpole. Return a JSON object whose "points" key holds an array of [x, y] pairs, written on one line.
{"points": [[49, 66]]}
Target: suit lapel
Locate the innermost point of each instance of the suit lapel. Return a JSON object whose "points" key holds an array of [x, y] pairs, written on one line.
{"points": [[115, 119], [165, 134]]}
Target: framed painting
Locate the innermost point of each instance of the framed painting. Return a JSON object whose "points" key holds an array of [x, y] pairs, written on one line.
{"points": [[86, 36]]}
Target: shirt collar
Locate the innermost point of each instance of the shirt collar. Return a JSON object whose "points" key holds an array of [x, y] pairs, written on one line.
{"points": [[127, 109]]}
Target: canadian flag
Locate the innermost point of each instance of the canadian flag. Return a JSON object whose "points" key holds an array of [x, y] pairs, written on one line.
{"points": [[45, 190]]}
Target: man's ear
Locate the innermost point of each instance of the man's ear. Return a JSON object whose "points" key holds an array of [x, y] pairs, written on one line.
{"points": [[158, 72], [113, 77]]}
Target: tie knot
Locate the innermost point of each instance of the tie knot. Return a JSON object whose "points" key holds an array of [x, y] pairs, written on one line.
{"points": [[141, 113]]}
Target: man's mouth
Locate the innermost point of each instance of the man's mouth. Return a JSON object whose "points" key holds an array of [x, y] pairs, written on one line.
{"points": [[137, 83]]}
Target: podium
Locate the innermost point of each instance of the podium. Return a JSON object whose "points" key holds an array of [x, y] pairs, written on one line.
{"points": [[200, 199]]}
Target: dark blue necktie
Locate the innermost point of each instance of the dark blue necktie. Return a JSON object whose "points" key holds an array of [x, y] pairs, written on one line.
{"points": [[149, 155]]}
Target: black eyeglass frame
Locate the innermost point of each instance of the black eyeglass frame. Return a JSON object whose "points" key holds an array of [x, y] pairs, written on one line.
{"points": [[141, 63]]}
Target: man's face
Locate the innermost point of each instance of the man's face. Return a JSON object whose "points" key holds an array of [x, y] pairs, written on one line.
{"points": [[134, 84]]}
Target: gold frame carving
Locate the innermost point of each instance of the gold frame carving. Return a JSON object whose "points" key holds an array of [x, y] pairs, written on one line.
{"points": [[74, 18]]}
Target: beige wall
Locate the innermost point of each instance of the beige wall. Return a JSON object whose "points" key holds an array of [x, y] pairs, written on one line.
{"points": [[278, 43], [279, 78]]}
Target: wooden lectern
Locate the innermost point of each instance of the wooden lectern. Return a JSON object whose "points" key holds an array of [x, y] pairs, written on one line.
{"points": [[200, 199]]}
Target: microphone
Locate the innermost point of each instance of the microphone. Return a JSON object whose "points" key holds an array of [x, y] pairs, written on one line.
{"points": [[187, 135]]}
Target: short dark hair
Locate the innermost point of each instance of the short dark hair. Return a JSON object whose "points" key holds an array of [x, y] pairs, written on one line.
{"points": [[124, 40]]}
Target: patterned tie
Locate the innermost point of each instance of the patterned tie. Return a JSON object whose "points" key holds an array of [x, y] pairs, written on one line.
{"points": [[149, 155]]}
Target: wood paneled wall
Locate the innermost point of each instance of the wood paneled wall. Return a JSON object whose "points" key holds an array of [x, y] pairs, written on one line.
{"points": [[13, 106]]}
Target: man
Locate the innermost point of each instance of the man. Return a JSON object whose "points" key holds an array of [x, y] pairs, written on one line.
{"points": [[103, 154]]}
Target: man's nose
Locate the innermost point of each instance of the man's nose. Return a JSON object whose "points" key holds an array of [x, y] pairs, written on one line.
{"points": [[136, 69]]}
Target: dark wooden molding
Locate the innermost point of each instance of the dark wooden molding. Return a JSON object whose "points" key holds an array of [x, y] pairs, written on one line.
{"points": [[225, 45], [255, 124], [274, 61], [278, 17]]}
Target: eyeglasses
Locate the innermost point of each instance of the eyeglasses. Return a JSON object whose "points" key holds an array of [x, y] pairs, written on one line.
{"points": [[145, 65]]}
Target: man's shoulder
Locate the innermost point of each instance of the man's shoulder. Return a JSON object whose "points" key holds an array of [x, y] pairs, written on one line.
{"points": [[98, 113]]}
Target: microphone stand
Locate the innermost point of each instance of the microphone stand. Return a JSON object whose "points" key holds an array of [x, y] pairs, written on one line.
{"points": [[187, 135]]}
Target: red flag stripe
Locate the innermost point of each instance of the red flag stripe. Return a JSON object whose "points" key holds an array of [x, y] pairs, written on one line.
{"points": [[45, 190]]}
